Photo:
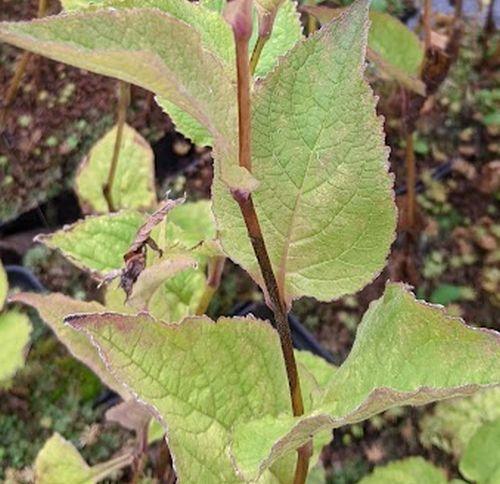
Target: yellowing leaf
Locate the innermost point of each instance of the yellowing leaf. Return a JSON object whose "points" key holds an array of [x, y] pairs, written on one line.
{"points": [[15, 330], [60, 463], [413, 470], [397, 359], [97, 243], [53, 309], [324, 199], [133, 186], [200, 377]]}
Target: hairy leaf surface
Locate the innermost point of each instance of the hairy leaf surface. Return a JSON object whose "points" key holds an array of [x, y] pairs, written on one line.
{"points": [[133, 186], [15, 330], [97, 243], [413, 470], [200, 377], [324, 197], [59, 462], [53, 309], [397, 359]]}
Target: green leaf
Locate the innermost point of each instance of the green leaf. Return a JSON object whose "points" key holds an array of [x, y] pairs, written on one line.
{"points": [[70, 5], [481, 460], [392, 47], [53, 309], [97, 243], [190, 224], [186, 124], [131, 44], [152, 278], [324, 198], [396, 43], [60, 463], [453, 423], [133, 186], [4, 286], [179, 296], [413, 470], [287, 31], [15, 330], [397, 359], [199, 377], [155, 431]]}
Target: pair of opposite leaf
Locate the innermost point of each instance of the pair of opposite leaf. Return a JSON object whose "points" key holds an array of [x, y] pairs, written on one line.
{"points": [[325, 203], [323, 193]]}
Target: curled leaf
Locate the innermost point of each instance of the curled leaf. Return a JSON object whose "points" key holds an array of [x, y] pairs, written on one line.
{"points": [[135, 256]]}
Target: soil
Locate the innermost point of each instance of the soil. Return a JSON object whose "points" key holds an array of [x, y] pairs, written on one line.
{"points": [[60, 111]]}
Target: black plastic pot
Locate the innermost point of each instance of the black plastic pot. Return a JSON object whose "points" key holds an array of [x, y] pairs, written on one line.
{"points": [[301, 337], [22, 278]]}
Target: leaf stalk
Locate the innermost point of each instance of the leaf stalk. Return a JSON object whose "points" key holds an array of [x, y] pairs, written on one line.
{"points": [[215, 268], [123, 103]]}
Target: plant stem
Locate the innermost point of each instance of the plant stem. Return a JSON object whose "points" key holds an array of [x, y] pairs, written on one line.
{"points": [[247, 208], [257, 50], [410, 180], [215, 268], [123, 103], [19, 72], [427, 24], [312, 23], [100, 471]]}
